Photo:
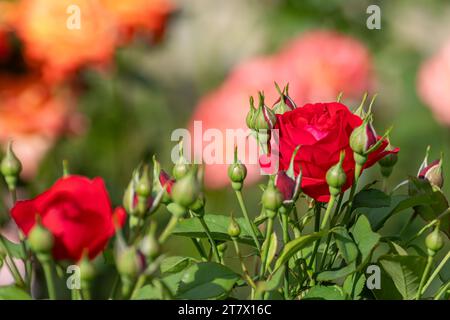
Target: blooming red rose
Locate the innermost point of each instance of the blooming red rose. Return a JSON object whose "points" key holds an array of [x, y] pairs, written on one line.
{"points": [[323, 131], [77, 211]]}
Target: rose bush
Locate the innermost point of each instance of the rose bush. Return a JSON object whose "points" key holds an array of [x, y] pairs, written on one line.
{"points": [[78, 213]]}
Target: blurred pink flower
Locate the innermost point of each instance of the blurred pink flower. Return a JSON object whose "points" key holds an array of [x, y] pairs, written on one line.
{"points": [[317, 65], [434, 84]]}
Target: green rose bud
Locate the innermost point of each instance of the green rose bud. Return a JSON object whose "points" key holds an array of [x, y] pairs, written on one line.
{"points": [[362, 139], [234, 230], [222, 247], [186, 190], [264, 118], [237, 172], [144, 185], [150, 247], [40, 239], [284, 102], [434, 241], [272, 199], [336, 176], [388, 162], [87, 271], [128, 262], [10, 167], [249, 120]]}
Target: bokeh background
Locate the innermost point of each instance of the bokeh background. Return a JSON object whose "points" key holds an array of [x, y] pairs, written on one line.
{"points": [[108, 96]]}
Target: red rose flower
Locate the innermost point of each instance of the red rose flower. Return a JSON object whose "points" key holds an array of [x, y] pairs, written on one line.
{"points": [[77, 211], [323, 131]]}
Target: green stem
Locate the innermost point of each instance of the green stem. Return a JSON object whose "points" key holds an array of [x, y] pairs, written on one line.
{"points": [[435, 272], [75, 294], [266, 247], [424, 276], [328, 212], [168, 230], [442, 291], [317, 210], [139, 283], [286, 239], [47, 267], [252, 226], [200, 249], [243, 267], [12, 265], [211, 240], [358, 169]]}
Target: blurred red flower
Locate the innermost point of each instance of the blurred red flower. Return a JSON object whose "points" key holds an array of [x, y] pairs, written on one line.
{"points": [[33, 115], [60, 48], [317, 65], [434, 83], [147, 17], [77, 211]]}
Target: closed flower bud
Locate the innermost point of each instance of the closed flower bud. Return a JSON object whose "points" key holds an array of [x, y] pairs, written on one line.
{"points": [[198, 207], [272, 199], [129, 263], [161, 179], [336, 176], [222, 247], [237, 172], [363, 138], [434, 241], [87, 271], [143, 185], [249, 120], [129, 198], [234, 230], [182, 167], [388, 162], [150, 247], [433, 173], [10, 167], [186, 190], [264, 118], [40, 239], [284, 102]]}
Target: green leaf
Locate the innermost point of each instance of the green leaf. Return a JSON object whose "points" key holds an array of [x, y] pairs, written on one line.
{"points": [[148, 292], [13, 293], [405, 272], [206, 280], [371, 198], [15, 249], [365, 238], [354, 285], [331, 275], [175, 264], [218, 225], [292, 247], [345, 244], [324, 293], [275, 280], [434, 207], [272, 249], [399, 203], [387, 290]]}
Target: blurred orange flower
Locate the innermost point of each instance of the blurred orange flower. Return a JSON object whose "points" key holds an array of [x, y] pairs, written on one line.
{"points": [[317, 65], [434, 83], [33, 116], [143, 16], [50, 38]]}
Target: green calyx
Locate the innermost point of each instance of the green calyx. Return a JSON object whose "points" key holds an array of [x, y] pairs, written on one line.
{"points": [[336, 176], [128, 264], [234, 230], [40, 239], [272, 199], [237, 172], [434, 241], [10, 167], [186, 190]]}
